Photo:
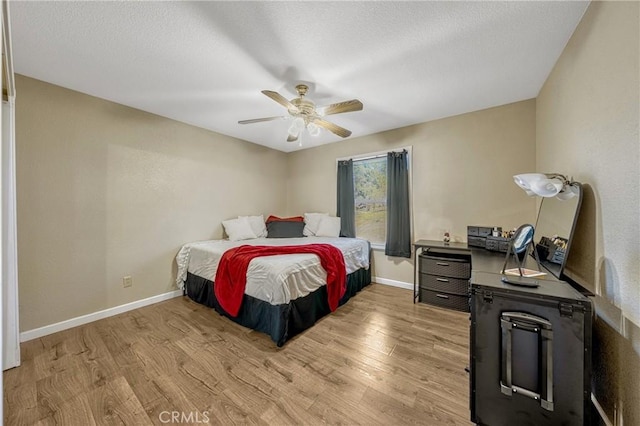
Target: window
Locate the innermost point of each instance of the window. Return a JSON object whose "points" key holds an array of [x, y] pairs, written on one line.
{"points": [[363, 206], [370, 187]]}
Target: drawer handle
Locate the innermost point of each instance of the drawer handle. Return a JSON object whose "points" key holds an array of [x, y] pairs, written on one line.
{"points": [[442, 280], [442, 264], [442, 296]]}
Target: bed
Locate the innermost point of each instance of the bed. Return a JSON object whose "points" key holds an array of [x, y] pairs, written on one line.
{"points": [[284, 294]]}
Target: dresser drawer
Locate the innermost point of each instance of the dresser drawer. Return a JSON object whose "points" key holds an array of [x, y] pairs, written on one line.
{"points": [[447, 284], [446, 267], [445, 300], [477, 241], [497, 244]]}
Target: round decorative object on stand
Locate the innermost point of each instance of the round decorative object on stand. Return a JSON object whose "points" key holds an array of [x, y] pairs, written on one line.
{"points": [[518, 246]]}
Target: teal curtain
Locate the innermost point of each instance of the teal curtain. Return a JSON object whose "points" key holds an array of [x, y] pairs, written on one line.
{"points": [[398, 215], [346, 201]]}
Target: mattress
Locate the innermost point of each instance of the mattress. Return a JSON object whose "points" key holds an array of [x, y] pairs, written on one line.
{"points": [[273, 279]]}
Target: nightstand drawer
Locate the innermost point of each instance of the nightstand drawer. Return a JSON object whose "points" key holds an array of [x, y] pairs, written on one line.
{"points": [[447, 267], [445, 300], [446, 284]]}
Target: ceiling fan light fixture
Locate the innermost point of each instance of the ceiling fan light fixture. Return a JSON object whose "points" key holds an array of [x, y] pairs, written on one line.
{"points": [[306, 116], [296, 126], [313, 129]]}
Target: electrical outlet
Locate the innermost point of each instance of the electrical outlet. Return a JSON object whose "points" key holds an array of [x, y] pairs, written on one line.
{"points": [[127, 281]]}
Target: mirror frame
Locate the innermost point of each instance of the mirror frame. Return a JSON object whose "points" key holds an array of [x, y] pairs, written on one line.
{"points": [[523, 237], [544, 264], [525, 233]]}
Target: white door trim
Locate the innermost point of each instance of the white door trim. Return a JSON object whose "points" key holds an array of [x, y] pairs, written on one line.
{"points": [[8, 233]]}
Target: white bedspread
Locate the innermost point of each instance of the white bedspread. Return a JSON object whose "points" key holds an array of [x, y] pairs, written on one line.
{"points": [[274, 279]]}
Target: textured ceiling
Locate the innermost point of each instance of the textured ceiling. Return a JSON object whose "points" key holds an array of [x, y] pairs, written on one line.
{"points": [[205, 63]]}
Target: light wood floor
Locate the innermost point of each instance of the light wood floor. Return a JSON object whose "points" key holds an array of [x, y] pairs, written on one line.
{"points": [[379, 359]]}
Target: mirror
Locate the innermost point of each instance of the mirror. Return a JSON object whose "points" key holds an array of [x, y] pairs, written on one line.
{"points": [[554, 228], [522, 238], [518, 246]]}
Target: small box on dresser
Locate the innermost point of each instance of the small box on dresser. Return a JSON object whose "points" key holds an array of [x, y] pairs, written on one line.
{"points": [[477, 236], [481, 231], [444, 278], [477, 241], [500, 244]]}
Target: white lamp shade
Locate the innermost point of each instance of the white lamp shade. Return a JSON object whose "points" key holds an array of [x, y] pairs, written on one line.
{"points": [[547, 187], [313, 129], [567, 193], [526, 180], [297, 126]]}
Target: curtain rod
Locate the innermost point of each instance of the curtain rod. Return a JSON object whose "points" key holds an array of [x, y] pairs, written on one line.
{"points": [[377, 154], [370, 158]]}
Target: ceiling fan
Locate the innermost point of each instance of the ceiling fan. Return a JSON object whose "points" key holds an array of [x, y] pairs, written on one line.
{"points": [[306, 115]]}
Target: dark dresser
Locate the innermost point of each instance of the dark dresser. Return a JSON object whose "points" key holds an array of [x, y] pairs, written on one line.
{"points": [[530, 348], [443, 274], [530, 353]]}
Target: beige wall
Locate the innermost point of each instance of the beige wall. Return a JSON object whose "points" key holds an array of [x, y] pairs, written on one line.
{"points": [[587, 127], [106, 191], [462, 175]]}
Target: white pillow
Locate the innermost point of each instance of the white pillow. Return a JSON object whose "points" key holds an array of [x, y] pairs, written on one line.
{"points": [[329, 227], [238, 229], [257, 225], [312, 221]]}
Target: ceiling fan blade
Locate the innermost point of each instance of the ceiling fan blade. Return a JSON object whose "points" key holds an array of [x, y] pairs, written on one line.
{"points": [[281, 100], [334, 128], [292, 138], [258, 120], [340, 107]]}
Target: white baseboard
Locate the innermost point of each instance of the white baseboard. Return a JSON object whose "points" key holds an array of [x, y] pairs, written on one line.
{"points": [[392, 283], [95, 316]]}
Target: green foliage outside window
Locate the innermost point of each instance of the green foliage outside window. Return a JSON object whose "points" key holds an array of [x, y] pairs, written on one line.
{"points": [[370, 178]]}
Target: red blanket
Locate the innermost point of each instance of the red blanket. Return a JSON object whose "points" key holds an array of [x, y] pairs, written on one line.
{"points": [[231, 276]]}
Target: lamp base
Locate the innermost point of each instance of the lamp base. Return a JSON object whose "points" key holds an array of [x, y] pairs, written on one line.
{"points": [[521, 281]]}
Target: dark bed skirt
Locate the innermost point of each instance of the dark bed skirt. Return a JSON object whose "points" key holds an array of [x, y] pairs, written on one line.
{"points": [[281, 322]]}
